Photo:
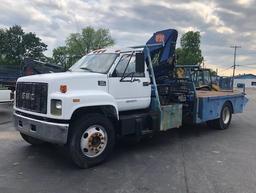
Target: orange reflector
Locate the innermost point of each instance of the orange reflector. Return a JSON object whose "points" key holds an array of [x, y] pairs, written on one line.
{"points": [[160, 38], [76, 100], [63, 88]]}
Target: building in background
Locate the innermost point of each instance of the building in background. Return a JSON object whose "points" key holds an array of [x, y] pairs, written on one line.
{"points": [[248, 79]]}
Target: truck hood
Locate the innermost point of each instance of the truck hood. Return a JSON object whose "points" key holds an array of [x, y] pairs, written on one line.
{"points": [[73, 80], [59, 76]]}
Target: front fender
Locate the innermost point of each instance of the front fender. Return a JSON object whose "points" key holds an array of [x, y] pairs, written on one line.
{"points": [[86, 98]]}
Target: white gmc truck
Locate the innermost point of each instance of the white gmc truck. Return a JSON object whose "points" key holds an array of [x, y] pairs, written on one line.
{"points": [[110, 93]]}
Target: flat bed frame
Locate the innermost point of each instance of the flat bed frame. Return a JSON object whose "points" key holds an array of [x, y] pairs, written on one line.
{"points": [[203, 94]]}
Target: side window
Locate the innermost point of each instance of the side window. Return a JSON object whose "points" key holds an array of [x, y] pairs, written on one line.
{"points": [[131, 66], [123, 68], [207, 78]]}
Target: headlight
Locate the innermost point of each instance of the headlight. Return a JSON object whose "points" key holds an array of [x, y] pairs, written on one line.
{"points": [[56, 107]]}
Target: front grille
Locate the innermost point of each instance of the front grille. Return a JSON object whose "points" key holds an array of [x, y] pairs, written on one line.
{"points": [[32, 96]]}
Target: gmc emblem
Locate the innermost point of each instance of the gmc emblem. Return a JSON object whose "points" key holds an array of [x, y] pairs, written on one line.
{"points": [[28, 96]]}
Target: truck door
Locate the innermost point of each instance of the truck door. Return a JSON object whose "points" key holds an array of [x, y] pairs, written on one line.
{"points": [[132, 90]]}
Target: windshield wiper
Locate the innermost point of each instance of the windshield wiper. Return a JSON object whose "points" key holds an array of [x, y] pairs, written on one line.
{"points": [[88, 69]]}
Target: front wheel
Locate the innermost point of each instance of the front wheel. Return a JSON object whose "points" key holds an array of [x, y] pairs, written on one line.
{"points": [[225, 118], [92, 140]]}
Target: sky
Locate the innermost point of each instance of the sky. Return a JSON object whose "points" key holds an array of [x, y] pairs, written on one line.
{"points": [[222, 23]]}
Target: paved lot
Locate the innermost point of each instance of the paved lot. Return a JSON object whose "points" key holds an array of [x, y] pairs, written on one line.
{"points": [[190, 160]]}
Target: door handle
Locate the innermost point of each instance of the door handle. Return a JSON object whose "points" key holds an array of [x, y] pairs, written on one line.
{"points": [[135, 79], [146, 83]]}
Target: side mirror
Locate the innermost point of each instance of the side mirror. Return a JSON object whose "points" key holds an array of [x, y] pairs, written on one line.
{"points": [[140, 63]]}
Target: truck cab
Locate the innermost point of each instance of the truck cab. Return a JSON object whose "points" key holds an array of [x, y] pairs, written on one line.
{"points": [[110, 93], [103, 85]]}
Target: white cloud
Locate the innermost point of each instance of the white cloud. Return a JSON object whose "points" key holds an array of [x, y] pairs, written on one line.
{"points": [[245, 2], [206, 11], [224, 29], [231, 12], [221, 23]]}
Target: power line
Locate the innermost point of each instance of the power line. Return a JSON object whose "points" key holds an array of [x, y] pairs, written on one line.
{"points": [[247, 64], [247, 53], [226, 69]]}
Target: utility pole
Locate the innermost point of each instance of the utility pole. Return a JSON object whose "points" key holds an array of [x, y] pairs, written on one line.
{"points": [[234, 66]]}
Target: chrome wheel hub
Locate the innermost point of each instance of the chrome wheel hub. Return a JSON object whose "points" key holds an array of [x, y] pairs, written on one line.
{"points": [[93, 141], [226, 115]]}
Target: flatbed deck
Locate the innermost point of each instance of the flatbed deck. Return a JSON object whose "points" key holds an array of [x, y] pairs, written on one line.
{"points": [[203, 94], [210, 103]]}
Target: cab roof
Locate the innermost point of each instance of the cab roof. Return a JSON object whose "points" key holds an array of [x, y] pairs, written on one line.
{"points": [[118, 51]]}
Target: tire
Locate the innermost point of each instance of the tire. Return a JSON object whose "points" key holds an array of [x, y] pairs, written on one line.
{"points": [[92, 140], [225, 118], [32, 140]]}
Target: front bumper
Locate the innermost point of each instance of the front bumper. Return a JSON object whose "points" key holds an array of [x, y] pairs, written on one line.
{"points": [[45, 131]]}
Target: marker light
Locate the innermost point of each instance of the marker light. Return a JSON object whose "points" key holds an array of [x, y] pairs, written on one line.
{"points": [[63, 88], [160, 38]]}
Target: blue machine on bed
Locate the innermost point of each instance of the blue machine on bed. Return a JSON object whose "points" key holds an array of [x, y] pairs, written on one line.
{"points": [[178, 97]]}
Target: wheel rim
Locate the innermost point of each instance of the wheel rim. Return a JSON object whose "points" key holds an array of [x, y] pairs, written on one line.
{"points": [[94, 141], [226, 115]]}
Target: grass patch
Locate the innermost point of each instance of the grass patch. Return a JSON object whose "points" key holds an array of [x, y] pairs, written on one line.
{"points": [[2, 87]]}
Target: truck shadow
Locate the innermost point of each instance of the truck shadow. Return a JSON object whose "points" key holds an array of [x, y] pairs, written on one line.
{"points": [[56, 157], [167, 138]]}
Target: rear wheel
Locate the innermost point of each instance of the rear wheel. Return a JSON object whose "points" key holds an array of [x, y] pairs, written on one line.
{"points": [[225, 118], [31, 140], [92, 140]]}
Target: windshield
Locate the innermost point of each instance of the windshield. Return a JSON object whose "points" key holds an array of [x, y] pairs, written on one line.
{"points": [[99, 63]]}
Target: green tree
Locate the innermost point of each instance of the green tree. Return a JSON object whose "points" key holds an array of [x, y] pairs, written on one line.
{"points": [[213, 72], [60, 55], [3, 46], [33, 46], [189, 53], [79, 44], [15, 45]]}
